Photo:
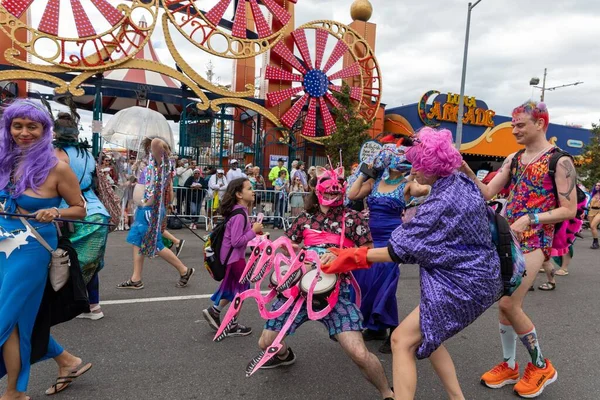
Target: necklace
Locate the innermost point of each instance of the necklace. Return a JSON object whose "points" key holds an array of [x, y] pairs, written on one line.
{"points": [[393, 181], [534, 159]]}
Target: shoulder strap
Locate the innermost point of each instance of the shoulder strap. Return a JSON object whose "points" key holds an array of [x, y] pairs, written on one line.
{"points": [[235, 212], [36, 234], [515, 163], [84, 168], [557, 155]]}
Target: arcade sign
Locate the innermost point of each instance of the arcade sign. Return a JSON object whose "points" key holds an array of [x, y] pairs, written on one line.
{"points": [[476, 112]]}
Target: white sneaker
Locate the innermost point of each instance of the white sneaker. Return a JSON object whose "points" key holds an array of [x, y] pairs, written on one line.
{"points": [[94, 316]]}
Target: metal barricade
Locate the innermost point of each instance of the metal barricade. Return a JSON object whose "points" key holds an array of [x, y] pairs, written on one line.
{"points": [[274, 205], [194, 205], [296, 205]]}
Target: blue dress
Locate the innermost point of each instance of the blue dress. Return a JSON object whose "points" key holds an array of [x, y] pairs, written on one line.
{"points": [[23, 275], [379, 283]]}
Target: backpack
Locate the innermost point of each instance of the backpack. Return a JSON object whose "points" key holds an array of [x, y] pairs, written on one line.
{"points": [[564, 232], [212, 248], [174, 223], [512, 262]]}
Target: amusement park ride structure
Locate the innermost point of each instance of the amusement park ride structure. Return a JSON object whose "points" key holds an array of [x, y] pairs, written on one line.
{"points": [[300, 86]]}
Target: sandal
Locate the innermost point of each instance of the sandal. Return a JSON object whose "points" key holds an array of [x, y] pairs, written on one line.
{"points": [[547, 286], [129, 284], [561, 272], [184, 279], [63, 382]]}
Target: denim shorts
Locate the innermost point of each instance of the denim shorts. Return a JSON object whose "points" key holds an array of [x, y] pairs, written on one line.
{"points": [[140, 226]]}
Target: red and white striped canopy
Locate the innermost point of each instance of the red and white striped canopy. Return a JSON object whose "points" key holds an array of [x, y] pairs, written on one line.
{"points": [[146, 79], [140, 76]]}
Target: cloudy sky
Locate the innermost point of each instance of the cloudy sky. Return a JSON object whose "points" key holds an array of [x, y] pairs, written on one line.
{"points": [[420, 47]]}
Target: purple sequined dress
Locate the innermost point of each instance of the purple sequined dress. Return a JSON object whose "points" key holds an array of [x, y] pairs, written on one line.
{"points": [[449, 238], [378, 284]]}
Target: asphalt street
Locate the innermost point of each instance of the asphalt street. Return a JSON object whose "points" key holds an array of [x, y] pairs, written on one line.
{"points": [[154, 344]]}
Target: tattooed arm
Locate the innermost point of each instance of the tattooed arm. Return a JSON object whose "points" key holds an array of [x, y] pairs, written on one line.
{"points": [[566, 181], [497, 183]]}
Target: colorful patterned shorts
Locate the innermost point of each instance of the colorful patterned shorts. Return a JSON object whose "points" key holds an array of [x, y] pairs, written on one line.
{"points": [[345, 317]]}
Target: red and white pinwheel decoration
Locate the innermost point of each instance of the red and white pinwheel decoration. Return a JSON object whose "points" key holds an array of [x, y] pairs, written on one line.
{"points": [[316, 81], [215, 14]]}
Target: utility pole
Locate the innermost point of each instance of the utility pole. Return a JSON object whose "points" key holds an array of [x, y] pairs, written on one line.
{"points": [[535, 81], [461, 99], [544, 84]]}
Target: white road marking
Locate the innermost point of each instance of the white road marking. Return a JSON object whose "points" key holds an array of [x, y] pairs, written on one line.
{"points": [[159, 299]]}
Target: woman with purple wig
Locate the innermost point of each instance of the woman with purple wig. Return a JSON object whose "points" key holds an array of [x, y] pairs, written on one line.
{"points": [[32, 181], [450, 239]]}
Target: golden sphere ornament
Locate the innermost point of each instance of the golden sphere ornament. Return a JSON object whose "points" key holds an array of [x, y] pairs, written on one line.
{"points": [[361, 10]]}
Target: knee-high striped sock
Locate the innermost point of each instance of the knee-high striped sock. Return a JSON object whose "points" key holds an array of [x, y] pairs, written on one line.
{"points": [[508, 336], [530, 341]]}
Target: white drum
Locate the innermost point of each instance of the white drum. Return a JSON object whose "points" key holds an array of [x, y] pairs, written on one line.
{"points": [[324, 287], [283, 270]]}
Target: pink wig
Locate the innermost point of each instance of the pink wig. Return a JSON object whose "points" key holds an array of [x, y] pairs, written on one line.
{"points": [[535, 110], [433, 153]]}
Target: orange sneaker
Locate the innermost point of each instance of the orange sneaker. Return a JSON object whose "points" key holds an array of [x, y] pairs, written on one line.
{"points": [[535, 380], [500, 375]]}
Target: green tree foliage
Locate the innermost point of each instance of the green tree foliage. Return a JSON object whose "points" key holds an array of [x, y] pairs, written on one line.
{"points": [[590, 170], [352, 130]]}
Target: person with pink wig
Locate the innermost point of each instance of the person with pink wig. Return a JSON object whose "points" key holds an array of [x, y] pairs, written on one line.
{"points": [[450, 239]]}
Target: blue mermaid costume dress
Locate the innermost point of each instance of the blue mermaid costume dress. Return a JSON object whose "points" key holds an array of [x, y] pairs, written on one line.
{"points": [[378, 284], [23, 275]]}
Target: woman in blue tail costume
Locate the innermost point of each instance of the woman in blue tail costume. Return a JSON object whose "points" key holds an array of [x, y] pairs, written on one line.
{"points": [[88, 240], [32, 181], [387, 198]]}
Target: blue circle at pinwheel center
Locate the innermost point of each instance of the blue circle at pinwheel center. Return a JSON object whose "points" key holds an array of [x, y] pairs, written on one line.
{"points": [[315, 83]]}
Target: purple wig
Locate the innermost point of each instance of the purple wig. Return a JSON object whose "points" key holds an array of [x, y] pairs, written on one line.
{"points": [[33, 163], [433, 153], [595, 189]]}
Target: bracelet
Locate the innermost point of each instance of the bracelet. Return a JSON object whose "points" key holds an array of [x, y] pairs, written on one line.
{"points": [[533, 218], [57, 212]]}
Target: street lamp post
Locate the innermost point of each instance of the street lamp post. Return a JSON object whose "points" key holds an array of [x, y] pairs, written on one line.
{"points": [[461, 99], [535, 81]]}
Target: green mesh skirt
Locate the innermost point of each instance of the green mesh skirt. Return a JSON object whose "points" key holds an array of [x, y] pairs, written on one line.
{"points": [[90, 243]]}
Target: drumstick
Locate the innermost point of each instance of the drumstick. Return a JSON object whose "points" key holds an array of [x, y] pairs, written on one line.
{"points": [[75, 221]]}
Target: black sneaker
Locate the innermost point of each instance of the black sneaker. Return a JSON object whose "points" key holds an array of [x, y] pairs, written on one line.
{"points": [[595, 245], [238, 330], [212, 317], [179, 247], [278, 362], [370, 334], [386, 347]]}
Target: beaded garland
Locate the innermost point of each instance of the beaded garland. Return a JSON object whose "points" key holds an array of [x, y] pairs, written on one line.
{"points": [[157, 178]]}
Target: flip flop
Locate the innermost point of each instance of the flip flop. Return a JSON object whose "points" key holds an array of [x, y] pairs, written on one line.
{"points": [[561, 272], [63, 382], [547, 286]]}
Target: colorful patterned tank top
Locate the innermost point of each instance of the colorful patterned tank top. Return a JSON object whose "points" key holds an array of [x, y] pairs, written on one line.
{"points": [[532, 191]]}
